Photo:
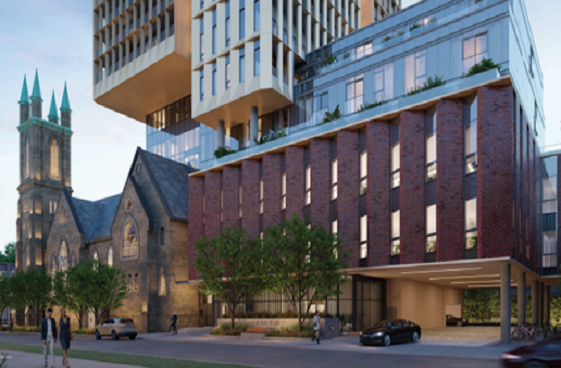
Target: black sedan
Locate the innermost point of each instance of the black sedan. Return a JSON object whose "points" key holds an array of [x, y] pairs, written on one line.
{"points": [[545, 354], [391, 330]]}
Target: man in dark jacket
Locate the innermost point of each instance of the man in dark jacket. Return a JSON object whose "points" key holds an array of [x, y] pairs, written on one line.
{"points": [[173, 326], [49, 336]]}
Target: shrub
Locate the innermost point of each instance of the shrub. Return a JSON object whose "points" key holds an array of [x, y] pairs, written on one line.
{"points": [[368, 106], [346, 55], [270, 137], [330, 59], [414, 26], [223, 151], [387, 38], [292, 331], [225, 329], [483, 66], [431, 83], [331, 116], [84, 331]]}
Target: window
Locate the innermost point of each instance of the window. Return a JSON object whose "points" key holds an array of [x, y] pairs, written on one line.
{"points": [[395, 248], [202, 85], [320, 102], [334, 179], [261, 196], [308, 185], [431, 228], [129, 288], [415, 71], [135, 282], [283, 191], [54, 172], [363, 236], [470, 223], [110, 256], [63, 255], [363, 171], [364, 50], [531, 62], [162, 282], [228, 71], [52, 207], [242, 19], [474, 49], [354, 96], [256, 59], [213, 31], [162, 236], [334, 231], [26, 174], [240, 201], [256, 16], [27, 255], [470, 136], [62, 216], [395, 164], [430, 157], [130, 241], [202, 38], [128, 206], [227, 23], [214, 79], [242, 65], [383, 83]]}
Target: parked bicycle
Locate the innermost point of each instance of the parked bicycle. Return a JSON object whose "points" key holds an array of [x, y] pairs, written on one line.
{"points": [[550, 331], [529, 332]]}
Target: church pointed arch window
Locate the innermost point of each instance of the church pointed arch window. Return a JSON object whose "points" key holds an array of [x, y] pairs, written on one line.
{"points": [[26, 256], [63, 255], [53, 267], [129, 247], [73, 260], [26, 169], [55, 160], [110, 256], [162, 282]]}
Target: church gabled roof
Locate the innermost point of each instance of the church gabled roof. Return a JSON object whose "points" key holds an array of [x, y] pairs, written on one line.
{"points": [[93, 218], [171, 180]]}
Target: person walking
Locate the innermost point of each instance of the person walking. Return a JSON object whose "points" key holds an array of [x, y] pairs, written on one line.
{"points": [[173, 327], [317, 324], [65, 336], [49, 336], [11, 323]]}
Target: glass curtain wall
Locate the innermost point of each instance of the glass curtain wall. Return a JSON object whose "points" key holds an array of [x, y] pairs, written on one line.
{"points": [[549, 215]]}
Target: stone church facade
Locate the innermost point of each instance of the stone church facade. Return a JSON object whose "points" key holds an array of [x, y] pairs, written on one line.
{"points": [[143, 230]]}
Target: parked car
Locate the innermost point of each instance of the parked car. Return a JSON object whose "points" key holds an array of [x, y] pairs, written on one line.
{"points": [[389, 331], [116, 327], [544, 354]]}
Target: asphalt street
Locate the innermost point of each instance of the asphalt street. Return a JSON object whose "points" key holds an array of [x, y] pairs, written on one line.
{"points": [[260, 356]]}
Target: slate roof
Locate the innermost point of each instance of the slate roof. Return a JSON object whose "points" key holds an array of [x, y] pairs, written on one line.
{"points": [[96, 217], [171, 180]]}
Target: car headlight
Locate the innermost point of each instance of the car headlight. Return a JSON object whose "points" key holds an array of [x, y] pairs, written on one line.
{"points": [[378, 334], [510, 357]]}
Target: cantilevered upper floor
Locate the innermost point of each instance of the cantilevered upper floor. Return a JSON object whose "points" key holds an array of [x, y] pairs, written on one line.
{"points": [[141, 54]]}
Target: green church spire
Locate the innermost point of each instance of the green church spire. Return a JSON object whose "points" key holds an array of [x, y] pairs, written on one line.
{"points": [[53, 113], [24, 100], [65, 106], [36, 95]]}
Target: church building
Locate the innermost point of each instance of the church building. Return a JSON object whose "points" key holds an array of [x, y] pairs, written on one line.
{"points": [[142, 230]]}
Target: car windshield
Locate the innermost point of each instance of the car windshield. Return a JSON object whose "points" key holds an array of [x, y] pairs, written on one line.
{"points": [[381, 324], [126, 320]]}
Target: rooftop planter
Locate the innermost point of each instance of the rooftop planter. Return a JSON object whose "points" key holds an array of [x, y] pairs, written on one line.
{"points": [[481, 67], [223, 151]]}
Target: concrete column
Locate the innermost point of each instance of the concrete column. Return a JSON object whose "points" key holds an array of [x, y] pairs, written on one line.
{"points": [[505, 303], [309, 46], [521, 298], [220, 134], [540, 305], [546, 309], [299, 29], [535, 299], [253, 125]]}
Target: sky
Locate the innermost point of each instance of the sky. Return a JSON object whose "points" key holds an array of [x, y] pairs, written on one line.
{"points": [[55, 36]]}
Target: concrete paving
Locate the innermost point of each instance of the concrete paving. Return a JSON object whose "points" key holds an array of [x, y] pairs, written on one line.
{"points": [[18, 359]]}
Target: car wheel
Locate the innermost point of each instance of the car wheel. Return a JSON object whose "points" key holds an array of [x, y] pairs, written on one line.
{"points": [[132, 337], [387, 340], [97, 335], [534, 364], [114, 336], [414, 336]]}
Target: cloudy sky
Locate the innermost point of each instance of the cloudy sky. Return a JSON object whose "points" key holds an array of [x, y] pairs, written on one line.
{"points": [[55, 37]]}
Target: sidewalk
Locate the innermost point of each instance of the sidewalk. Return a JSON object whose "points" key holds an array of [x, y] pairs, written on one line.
{"points": [[27, 360]]}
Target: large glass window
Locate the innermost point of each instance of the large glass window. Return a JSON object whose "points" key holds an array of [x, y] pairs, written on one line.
{"points": [[470, 223], [470, 135], [228, 71], [334, 179], [430, 129], [55, 166], [363, 237], [202, 38], [431, 228], [474, 50], [242, 65], [354, 96], [261, 196], [283, 191], [383, 83], [214, 31], [549, 214], [202, 85], [395, 245], [242, 19], [308, 185], [227, 23], [130, 241], [363, 173], [415, 71], [256, 16], [256, 58], [214, 79], [395, 164], [364, 50]]}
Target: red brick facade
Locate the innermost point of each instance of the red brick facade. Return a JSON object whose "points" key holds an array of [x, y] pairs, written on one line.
{"points": [[348, 191], [378, 195], [321, 182], [494, 173], [508, 186], [449, 181], [412, 187]]}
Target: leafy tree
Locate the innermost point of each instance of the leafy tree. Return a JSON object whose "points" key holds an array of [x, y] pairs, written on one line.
{"points": [[31, 288], [231, 267], [5, 293], [70, 287], [102, 287], [306, 262], [9, 255]]}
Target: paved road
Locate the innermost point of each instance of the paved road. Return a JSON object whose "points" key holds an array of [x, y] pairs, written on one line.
{"points": [[261, 356], [18, 359]]}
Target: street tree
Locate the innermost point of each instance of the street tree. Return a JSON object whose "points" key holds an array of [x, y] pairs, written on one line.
{"points": [[70, 288], [5, 293], [9, 255], [306, 261], [32, 288], [231, 268]]}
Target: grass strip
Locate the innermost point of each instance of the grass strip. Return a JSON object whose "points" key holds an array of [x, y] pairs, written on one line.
{"points": [[127, 359]]}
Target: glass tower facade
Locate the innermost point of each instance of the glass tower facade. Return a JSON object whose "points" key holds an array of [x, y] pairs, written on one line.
{"points": [[549, 215]]}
